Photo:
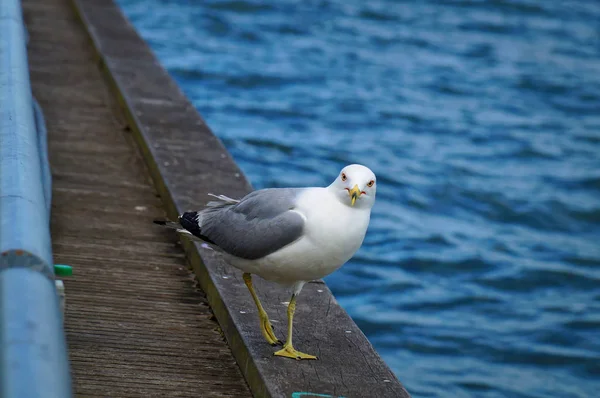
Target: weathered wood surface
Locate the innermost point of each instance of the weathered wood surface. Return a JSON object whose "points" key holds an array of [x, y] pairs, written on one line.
{"points": [[187, 162], [136, 323]]}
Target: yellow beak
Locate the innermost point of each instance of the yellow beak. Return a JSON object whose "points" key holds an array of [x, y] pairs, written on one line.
{"points": [[354, 193]]}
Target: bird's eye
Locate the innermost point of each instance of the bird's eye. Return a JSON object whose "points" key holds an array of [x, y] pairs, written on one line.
{"points": [[371, 183], [344, 178]]}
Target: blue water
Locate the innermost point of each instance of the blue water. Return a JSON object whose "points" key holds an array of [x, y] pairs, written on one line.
{"points": [[480, 273]]}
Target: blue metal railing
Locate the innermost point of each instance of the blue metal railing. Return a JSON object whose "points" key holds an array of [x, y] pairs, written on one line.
{"points": [[33, 355], [42, 134]]}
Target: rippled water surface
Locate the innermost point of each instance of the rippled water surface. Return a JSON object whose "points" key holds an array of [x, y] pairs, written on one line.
{"points": [[480, 273]]}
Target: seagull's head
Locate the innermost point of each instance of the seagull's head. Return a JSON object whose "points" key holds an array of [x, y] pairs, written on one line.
{"points": [[355, 186]]}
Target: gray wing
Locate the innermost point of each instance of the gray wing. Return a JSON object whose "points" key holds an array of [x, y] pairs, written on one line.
{"points": [[260, 224]]}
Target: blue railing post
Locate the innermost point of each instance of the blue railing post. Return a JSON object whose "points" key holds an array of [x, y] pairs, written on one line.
{"points": [[33, 355]]}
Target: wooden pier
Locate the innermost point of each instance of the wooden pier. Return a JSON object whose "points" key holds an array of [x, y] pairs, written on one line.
{"points": [[146, 315], [136, 322]]}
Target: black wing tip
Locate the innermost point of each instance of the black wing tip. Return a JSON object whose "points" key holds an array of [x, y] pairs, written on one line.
{"points": [[189, 221], [160, 222], [190, 216]]}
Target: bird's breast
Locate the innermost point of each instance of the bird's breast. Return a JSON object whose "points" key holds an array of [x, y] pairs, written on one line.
{"points": [[333, 228]]}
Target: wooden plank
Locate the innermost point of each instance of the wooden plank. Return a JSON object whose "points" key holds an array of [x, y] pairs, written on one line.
{"points": [[187, 161], [137, 323]]}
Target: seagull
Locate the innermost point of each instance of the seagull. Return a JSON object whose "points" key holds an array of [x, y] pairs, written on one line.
{"points": [[289, 236]]}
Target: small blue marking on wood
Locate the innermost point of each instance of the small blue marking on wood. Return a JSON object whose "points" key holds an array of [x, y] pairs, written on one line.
{"points": [[312, 394]]}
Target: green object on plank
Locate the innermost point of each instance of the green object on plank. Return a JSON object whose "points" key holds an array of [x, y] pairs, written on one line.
{"points": [[63, 270]]}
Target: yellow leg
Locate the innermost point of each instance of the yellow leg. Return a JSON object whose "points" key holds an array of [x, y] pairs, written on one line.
{"points": [[288, 350], [265, 325]]}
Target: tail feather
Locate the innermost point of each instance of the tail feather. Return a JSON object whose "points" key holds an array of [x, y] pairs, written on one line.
{"points": [[224, 198], [168, 224], [222, 201], [188, 225]]}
